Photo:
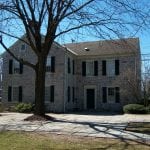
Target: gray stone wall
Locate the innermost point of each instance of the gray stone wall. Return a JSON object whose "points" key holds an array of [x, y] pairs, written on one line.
{"points": [[27, 79], [126, 62]]}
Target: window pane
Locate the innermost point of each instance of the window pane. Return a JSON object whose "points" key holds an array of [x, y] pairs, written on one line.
{"points": [[89, 68], [111, 67], [15, 93], [48, 62], [111, 91], [47, 93], [16, 66], [23, 47]]}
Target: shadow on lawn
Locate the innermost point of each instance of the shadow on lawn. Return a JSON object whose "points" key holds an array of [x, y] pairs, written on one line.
{"points": [[106, 127]]}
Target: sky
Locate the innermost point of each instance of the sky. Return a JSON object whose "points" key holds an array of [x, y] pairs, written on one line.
{"points": [[144, 37]]}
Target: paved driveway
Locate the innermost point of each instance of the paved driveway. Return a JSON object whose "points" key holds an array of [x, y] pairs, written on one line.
{"points": [[96, 125]]}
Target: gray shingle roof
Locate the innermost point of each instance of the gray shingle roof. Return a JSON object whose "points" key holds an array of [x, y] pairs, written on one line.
{"points": [[106, 47]]}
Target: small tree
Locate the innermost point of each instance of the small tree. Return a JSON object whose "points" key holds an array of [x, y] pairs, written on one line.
{"points": [[54, 18]]}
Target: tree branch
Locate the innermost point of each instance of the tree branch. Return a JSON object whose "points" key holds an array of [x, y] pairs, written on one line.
{"points": [[21, 60]]}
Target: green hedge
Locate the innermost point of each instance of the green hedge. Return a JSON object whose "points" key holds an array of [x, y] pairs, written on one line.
{"points": [[24, 107], [135, 109], [1, 108]]}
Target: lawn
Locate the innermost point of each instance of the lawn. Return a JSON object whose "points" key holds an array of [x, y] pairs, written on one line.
{"points": [[43, 141], [140, 127]]}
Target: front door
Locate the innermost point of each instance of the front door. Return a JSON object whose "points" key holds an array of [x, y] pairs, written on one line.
{"points": [[90, 94]]}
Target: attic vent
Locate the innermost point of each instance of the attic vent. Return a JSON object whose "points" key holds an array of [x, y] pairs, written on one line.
{"points": [[86, 49]]}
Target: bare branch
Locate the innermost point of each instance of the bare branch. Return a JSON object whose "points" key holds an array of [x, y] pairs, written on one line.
{"points": [[21, 60]]}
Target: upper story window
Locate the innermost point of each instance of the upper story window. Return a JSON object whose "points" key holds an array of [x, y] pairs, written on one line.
{"points": [[23, 47], [90, 68], [110, 67], [69, 65], [15, 67], [50, 64]]}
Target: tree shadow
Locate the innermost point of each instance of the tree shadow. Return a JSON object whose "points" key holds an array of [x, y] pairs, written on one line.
{"points": [[116, 127], [110, 130]]}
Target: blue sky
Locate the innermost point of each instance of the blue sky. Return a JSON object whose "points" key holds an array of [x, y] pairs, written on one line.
{"points": [[144, 36]]}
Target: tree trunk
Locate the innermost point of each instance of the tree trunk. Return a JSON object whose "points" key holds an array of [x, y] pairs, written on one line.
{"points": [[40, 87]]}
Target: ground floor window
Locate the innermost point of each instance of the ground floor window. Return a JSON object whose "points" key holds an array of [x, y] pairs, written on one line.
{"points": [[15, 93], [111, 94], [49, 93]]}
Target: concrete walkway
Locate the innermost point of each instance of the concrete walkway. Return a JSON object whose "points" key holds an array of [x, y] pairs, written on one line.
{"points": [[96, 125]]}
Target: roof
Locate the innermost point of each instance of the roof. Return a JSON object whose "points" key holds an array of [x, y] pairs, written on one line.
{"points": [[105, 47]]}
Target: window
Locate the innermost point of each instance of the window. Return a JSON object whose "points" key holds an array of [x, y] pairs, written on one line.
{"points": [[110, 67], [111, 91], [111, 94], [90, 68], [15, 93], [48, 64], [49, 93], [23, 47], [68, 93], [16, 67], [69, 66]]}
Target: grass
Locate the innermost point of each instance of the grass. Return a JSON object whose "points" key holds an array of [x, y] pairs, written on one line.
{"points": [[41, 141], [141, 127]]}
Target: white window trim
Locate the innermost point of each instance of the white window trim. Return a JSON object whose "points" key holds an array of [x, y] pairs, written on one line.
{"points": [[92, 61], [114, 101]]}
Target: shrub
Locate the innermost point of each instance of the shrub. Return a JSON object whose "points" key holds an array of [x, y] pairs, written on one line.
{"points": [[1, 108], [148, 109], [24, 107], [134, 109]]}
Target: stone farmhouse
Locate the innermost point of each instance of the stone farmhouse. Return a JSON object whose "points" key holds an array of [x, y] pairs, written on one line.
{"points": [[79, 76]]}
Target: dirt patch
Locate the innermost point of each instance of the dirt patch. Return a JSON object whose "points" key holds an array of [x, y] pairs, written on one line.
{"points": [[39, 118]]}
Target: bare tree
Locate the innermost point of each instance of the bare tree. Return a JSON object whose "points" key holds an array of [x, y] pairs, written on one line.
{"points": [[53, 18], [131, 84]]}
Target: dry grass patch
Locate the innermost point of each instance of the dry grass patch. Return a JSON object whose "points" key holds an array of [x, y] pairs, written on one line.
{"points": [[42, 141], [140, 127]]}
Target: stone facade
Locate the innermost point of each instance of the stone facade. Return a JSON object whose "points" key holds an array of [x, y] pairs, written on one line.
{"points": [[72, 88]]}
